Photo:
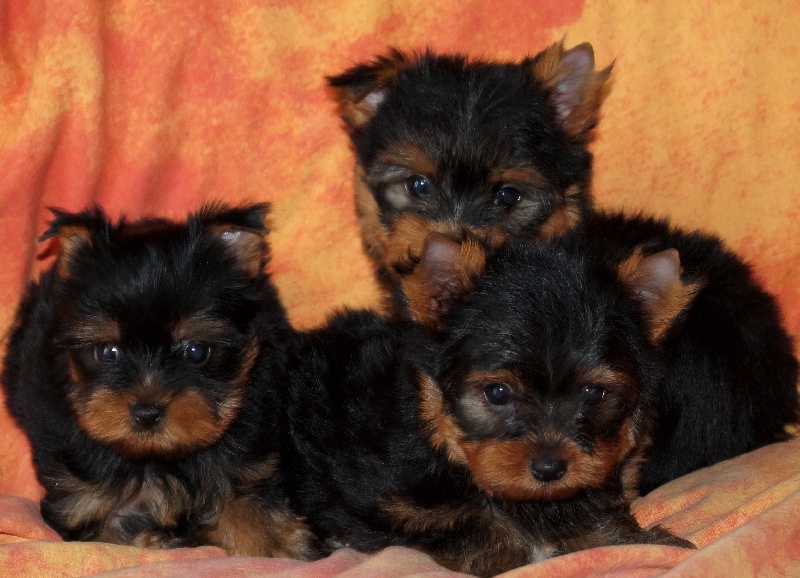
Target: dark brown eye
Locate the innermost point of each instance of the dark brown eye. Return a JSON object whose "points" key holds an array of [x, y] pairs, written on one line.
{"points": [[107, 353], [196, 352], [507, 196], [592, 394], [417, 186], [498, 393]]}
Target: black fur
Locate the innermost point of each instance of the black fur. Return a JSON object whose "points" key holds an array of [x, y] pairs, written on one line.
{"points": [[732, 377], [498, 107], [141, 281], [731, 382], [363, 460]]}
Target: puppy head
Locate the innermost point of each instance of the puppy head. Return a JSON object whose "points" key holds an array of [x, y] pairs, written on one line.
{"points": [[547, 370], [157, 324], [447, 144]]}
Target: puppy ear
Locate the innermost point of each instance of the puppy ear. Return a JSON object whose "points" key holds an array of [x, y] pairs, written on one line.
{"points": [[446, 271], [655, 281], [242, 229], [360, 90], [76, 232], [574, 88]]}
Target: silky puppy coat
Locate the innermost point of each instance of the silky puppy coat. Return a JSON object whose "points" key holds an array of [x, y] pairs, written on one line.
{"points": [[445, 143], [499, 432], [144, 368], [499, 150]]}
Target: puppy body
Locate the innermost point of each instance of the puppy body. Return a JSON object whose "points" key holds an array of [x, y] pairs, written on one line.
{"points": [[393, 440], [143, 368], [500, 151], [731, 374]]}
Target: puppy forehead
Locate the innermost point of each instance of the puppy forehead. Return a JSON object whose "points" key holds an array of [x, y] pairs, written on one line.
{"points": [[550, 339], [161, 306], [447, 102], [474, 87]]}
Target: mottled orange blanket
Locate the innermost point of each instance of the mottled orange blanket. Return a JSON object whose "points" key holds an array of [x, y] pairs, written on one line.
{"points": [[155, 106]]}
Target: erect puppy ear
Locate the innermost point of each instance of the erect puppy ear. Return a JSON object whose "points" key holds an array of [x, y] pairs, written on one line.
{"points": [[655, 281], [360, 90], [574, 88], [76, 232], [242, 229], [446, 271]]}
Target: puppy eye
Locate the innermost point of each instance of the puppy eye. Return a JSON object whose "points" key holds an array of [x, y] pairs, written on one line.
{"points": [[594, 394], [507, 196], [106, 353], [196, 352], [498, 393], [417, 186]]}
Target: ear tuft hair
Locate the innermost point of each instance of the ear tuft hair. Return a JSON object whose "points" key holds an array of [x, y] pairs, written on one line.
{"points": [[575, 88], [242, 229], [655, 281], [77, 231], [361, 90]]}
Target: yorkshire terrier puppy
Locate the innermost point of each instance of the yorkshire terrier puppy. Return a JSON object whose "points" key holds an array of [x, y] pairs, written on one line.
{"points": [[731, 383], [144, 366], [500, 151], [504, 429], [446, 144]]}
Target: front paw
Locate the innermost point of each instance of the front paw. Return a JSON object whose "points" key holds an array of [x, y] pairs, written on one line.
{"points": [[160, 540]]}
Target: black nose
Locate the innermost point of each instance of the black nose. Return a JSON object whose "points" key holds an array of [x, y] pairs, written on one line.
{"points": [[147, 415], [548, 469]]}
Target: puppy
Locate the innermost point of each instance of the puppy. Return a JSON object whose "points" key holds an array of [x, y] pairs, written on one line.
{"points": [[144, 368], [731, 383], [500, 151], [446, 144], [505, 429]]}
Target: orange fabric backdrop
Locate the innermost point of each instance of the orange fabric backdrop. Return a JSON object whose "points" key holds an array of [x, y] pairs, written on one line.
{"points": [[155, 106]]}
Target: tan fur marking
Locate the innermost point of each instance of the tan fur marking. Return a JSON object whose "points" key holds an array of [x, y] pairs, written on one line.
{"points": [[72, 239], [163, 499], [355, 107], [251, 352], [190, 422], [478, 379], [414, 519], [407, 237], [76, 378], [254, 473], [248, 247], [85, 502], [199, 329], [606, 376], [96, 331], [672, 301], [518, 176], [409, 157], [632, 467], [373, 234], [546, 68], [494, 235], [502, 468], [429, 298], [552, 68], [248, 527], [443, 434], [500, 545], [564, 218]]}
